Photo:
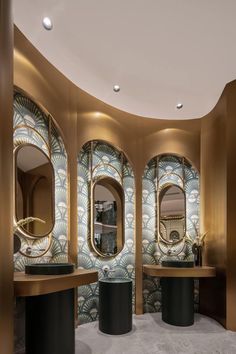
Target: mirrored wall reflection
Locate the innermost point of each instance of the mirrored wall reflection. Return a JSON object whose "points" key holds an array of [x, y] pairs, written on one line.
{"points": [[172, 211], [107, 216], [34, 189], [105, 221]]}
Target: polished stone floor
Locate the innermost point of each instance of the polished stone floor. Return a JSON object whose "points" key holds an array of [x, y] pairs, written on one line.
{"points": [[152, 336]]}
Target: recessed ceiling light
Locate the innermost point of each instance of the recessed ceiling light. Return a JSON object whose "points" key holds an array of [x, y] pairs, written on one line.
{"points": [[116, 88], [47, 23], [179, 105]]}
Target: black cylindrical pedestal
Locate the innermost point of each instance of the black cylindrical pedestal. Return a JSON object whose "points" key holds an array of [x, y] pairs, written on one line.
{"points": [[115, 306], [178, 301], [50, 323]]}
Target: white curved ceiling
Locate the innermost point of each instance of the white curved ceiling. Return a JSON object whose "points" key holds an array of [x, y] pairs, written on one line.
{"points": [[160, 52]]}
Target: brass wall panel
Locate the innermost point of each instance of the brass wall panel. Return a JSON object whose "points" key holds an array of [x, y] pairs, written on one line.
{"points": [[218, 180], [213, 190], [6, 180], [231, 209]]}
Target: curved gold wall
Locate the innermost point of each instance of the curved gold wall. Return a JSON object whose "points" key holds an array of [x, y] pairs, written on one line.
{"points": [[6, 181], [76, 114]]}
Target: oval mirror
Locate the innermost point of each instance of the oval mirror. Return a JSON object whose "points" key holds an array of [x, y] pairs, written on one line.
{"points": [[34, 190], [172, 214], [107, 218]]}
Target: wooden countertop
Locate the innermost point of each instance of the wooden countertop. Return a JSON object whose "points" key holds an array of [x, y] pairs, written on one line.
{"points": [[172, 272], [32, 285]]}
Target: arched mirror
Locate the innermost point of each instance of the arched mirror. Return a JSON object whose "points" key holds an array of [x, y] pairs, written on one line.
{"points": [[107, 216], [34, 190], [172, 214]]}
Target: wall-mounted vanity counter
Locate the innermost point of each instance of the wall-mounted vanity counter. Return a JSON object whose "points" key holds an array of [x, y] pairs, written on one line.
{"points": [[33, 285], [50, 306], [195, 272], [178, 289]]}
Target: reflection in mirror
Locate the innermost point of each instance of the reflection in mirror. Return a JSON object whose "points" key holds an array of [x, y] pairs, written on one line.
{"points": [[172, 214], [107, 217], [34, 189]]}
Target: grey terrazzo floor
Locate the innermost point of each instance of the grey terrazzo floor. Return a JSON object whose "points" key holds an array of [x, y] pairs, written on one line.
{"points": [[151, 336]]}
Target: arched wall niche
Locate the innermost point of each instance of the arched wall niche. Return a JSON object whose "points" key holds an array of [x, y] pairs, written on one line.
{"points": [[34, 125], [160, 171], [111, 162]]}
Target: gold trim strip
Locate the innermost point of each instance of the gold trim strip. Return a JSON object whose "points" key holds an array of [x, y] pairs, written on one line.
{"points": [[29, 127], [106, 164]]}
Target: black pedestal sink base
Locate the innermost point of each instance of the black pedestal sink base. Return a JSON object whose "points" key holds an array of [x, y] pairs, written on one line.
{"points": [[178, 296], [178, 301], [50, 323], [49, 320], [115, 306]]}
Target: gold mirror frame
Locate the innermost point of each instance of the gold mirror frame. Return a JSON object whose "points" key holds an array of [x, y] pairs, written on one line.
{"points": [[117, 190], [160, 196], [24, 232]]}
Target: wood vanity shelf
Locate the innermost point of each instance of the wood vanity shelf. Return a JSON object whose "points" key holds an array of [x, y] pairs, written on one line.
{"points": [[33, 285], [174, 272]]}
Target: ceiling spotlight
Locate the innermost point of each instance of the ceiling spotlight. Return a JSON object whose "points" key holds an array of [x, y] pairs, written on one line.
{"points": [[47, 23], [179, 105], [116, 88]]}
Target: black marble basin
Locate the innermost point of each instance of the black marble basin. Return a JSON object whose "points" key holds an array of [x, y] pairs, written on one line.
{"points": [[177, 264], [49, 268]]}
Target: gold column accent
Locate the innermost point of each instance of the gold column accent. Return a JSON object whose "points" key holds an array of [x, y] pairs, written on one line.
{"points": [[6, 180], [72, 188], [72, 178], [138, 244]]}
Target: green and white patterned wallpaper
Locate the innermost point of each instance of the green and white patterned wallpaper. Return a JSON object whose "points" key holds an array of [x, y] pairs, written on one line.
{"points": [[107, 161], [168, 169], [31, 125]]}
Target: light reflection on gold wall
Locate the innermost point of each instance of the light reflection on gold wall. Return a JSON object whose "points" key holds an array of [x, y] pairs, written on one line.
{"points": [[173, 140]]}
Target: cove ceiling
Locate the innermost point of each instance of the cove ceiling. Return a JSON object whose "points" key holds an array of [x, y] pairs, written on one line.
{"points": [[160, 52]]}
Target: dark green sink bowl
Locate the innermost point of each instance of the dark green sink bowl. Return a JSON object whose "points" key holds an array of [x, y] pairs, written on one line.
{"points": [[177, 264], [115, 280], [49, 268]]}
